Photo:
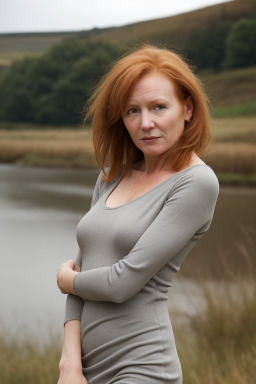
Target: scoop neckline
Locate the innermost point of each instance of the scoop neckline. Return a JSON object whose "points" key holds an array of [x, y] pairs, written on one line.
{"points": [[149, 191]]}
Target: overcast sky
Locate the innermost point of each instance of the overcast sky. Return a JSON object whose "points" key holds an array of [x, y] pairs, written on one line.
{"points": [[75, 15]]}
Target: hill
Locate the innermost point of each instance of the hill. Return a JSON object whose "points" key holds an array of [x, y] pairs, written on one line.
{"points": [[14, 46], [17, 45], [178, 31], [232, 93], [52, 87]]}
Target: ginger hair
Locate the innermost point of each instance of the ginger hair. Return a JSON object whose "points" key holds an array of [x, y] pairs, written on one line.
{"points": [[113, 146]]}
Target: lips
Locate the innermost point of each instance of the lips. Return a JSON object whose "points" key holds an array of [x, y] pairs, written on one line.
{"points": [[149, 139]]}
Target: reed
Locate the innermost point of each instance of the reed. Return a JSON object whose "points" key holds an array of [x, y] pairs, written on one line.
{"points": [[233, 156], [23, 361], [62, 148], [219, 345]]}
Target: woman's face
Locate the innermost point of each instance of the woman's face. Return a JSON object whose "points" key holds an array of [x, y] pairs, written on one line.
{"points": [[154, 116]]}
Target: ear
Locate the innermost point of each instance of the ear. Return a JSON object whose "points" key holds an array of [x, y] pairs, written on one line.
{"points": [[188, 108]]}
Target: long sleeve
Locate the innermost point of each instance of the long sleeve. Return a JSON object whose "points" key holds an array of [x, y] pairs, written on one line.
{"points": [[185, 216], [74, 304]]}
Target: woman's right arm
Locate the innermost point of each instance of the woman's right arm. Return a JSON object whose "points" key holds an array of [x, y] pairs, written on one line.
{"points": [[70, 363]]}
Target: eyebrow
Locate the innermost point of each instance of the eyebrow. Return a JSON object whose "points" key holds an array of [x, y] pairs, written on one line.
{"points": [[153, 101]]}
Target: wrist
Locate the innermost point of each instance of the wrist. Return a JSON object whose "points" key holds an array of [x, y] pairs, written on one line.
{"points": [[69, 365], [68, 280], [71, 288]]}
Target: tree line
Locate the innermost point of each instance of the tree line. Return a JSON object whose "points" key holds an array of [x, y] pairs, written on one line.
{"points": [[52, 88], [224, 46]]}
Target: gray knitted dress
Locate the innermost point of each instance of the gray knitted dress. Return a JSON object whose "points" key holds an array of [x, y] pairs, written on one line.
{"points": [[128, 257]]}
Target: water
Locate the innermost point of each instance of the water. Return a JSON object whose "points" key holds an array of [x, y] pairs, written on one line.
{"points": [[39, 211]]}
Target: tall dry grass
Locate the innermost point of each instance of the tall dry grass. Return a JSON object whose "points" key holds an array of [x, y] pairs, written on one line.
{"points": [[219, 346], [222, 349], [23, 361], [62, 148], [239, 129], [233, 157]]}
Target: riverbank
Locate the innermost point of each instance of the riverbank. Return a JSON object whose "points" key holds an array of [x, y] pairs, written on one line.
{"points": [[233, 156]]}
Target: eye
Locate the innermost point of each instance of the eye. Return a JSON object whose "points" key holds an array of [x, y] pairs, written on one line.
{"points": [[160, 107], [131, 111]]}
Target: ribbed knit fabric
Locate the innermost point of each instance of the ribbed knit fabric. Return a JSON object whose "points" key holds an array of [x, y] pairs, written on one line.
{"points": [[128, 257]]}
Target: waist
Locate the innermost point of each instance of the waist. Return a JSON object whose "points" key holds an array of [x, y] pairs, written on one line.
{"points": [[142, 313]]}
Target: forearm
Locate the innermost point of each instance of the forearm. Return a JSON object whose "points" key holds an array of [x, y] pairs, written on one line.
{"points": [[71, 352], [185, 216]]}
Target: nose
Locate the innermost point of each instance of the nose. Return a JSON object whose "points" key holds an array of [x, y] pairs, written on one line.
{"points": [[146, 120]]}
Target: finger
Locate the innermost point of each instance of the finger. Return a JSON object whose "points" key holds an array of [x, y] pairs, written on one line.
{"points": [[71, 263]]}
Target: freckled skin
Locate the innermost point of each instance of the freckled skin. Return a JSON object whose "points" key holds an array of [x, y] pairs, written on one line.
{"points": [[155, 117]]}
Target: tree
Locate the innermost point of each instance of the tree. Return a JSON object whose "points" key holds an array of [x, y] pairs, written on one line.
{"points": [[207, 48], [53, 88], [240, 44]]}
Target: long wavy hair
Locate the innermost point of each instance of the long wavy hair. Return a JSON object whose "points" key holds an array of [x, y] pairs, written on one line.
{"points": [[113, 146]]}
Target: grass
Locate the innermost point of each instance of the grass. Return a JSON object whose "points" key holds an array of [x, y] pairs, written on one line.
{"points": [[232, 88], [221, 347], [236, 179], [248, 109], [23, 362], [239, 129], [217, 346], [62, 148], [239, 158]]}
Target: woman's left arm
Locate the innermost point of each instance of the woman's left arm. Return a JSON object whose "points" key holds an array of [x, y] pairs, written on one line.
{"points": [[187, 213]]}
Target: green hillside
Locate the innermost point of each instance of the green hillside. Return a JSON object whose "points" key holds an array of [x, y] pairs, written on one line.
{"points": [[179, 31], [53, 83], [17, 45], [233, 92], [14, 46]]}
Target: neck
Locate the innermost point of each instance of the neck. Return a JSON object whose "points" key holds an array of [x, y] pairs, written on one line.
{"points": [[151, 165]]}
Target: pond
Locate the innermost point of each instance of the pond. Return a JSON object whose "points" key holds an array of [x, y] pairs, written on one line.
{"points": [[39, 211]]}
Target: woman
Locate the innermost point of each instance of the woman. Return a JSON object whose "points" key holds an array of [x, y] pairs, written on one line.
{"points": [[153, 200]]}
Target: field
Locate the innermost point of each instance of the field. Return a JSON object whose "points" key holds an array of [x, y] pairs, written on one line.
{"points": [[217, 346], [68, 147], [233, 156], [232, 93]]}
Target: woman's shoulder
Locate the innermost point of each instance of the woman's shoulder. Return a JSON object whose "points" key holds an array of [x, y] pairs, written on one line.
{"points": [[102, 186], [198, 180], [201, 172], [204, 173]]}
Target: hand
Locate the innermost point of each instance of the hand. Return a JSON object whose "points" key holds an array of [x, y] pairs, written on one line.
{"points": [[65, 277], [72, 378]]}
